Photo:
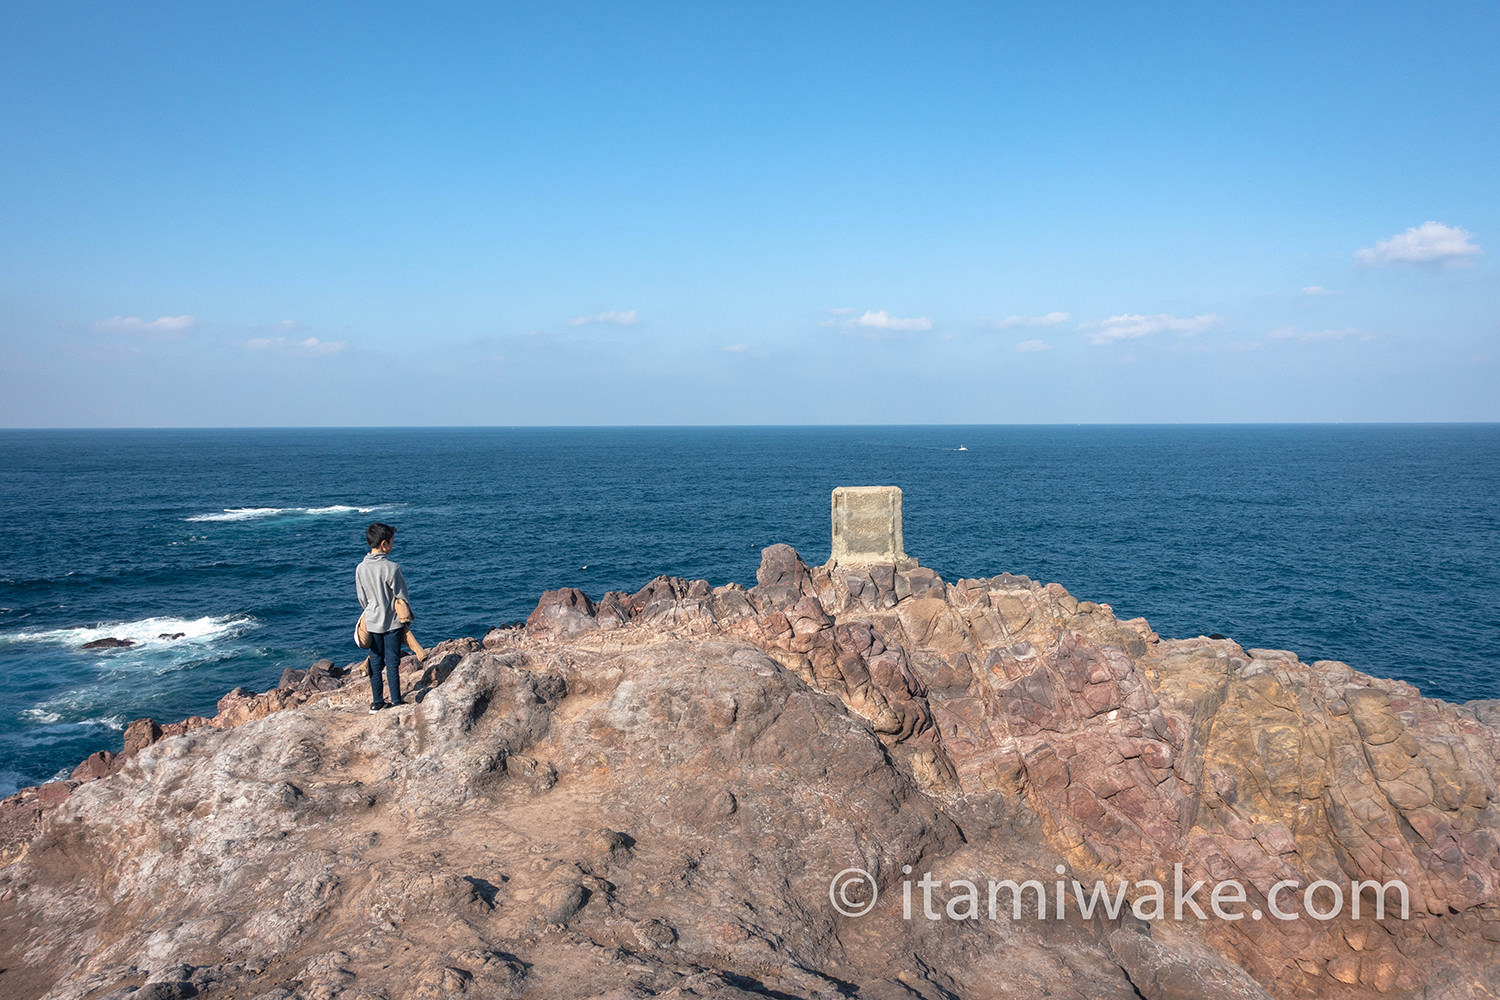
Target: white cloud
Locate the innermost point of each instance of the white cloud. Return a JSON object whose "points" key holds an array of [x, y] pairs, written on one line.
{"points": [[1031, 346], [1011, 322], [736, 348], [166, 325], [1317, 290], [1128, 326], [883, 320], [873, 324], [1429, 243], [610, 318], [312, 346]]}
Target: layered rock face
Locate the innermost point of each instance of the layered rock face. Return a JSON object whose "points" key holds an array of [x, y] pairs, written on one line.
{"points": [[844, 781]]}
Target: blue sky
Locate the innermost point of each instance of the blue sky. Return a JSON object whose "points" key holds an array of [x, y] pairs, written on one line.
{"points": [[711, 213]]}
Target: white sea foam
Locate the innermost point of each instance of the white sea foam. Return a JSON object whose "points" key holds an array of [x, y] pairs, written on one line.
{"points": [[239, 514], [260, 513], [144, 632], [53, 715]]}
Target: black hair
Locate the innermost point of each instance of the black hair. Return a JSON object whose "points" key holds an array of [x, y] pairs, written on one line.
{"points": [[377, 533]]}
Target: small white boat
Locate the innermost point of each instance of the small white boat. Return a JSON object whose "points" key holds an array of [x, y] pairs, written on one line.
{"points": [[962, 448]]}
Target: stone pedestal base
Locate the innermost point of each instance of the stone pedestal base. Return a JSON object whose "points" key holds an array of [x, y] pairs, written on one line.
{"points": [[867, 527]]}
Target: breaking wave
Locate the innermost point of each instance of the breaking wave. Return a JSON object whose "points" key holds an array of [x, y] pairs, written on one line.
{"points": [[163, 631], [261, 513]]}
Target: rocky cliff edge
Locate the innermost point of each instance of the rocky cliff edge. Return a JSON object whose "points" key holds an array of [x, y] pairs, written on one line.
{"points": [[841, 782]]}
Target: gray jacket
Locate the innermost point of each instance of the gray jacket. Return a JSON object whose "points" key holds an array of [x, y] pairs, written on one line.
{"points": [[377, 584]]}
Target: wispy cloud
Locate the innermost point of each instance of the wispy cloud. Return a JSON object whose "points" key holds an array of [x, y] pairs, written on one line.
{"points": [[610, 318], [1129, 326], [1318, 290], [1429, 243], [1032, 346], [735, 348], [1312, 336], [883, 320], [1012, 322], [165, 326], [837, 317], [873, 323], [310, 347]]}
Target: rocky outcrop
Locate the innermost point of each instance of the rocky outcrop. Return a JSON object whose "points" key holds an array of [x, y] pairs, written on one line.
{"points": [[108, 642], [695, 790]]}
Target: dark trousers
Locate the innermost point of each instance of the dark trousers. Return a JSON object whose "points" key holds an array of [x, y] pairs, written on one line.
{"points": [[385, 654]]}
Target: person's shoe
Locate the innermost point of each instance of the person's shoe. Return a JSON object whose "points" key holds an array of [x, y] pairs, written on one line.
{"points": [[377, 706]]}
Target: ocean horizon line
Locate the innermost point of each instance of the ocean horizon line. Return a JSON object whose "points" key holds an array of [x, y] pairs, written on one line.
{"points": [[1145, 425]]}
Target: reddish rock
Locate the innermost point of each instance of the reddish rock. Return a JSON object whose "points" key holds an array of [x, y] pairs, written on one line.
{"points": [[565, 612], [612, 611], [140, 734], [782, 579], [55, 793], [753, 744], [96, 766], [187, 725]]}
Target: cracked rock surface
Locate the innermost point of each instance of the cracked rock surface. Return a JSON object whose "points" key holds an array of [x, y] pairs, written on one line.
{"points": [[649, 794]]}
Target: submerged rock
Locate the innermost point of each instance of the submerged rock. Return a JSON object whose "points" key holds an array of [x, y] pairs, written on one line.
{"points": [[108, 642]]}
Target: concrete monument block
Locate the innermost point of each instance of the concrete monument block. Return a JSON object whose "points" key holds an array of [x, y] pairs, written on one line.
{"points": [[867, 527]]}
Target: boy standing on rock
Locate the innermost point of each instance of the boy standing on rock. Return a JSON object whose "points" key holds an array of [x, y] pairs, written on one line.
{"points": [[378, 583]]}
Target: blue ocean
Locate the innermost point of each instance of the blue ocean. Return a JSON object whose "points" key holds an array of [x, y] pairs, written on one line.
{"points": [[1376, 545]]}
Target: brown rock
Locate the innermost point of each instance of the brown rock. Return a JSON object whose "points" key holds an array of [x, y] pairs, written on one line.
{"points": [[96, 766], [565, 612], [756, 744], [782, 580], [498, 636], [140, 734], [54, 793]]}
